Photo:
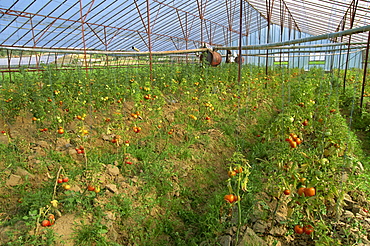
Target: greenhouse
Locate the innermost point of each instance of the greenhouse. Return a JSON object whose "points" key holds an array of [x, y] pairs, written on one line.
{"points": [[152, 122]]}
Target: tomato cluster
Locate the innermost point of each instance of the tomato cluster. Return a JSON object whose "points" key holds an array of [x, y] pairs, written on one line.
{"points": [[96, 189], [232, 173], [80, 150], [49, 221], [308, 229], [308, 192], [64, 180], [137, 129], [293, 140]]}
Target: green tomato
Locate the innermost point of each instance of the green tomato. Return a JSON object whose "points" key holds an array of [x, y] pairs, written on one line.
{"points": [[328, 132], [290, 119]]}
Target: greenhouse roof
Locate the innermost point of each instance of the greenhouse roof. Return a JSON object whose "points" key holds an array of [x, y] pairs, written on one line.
{"points": [[173, 25]]}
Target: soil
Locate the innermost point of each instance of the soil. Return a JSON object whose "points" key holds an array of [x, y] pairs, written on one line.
{"points": [[268, 232]]}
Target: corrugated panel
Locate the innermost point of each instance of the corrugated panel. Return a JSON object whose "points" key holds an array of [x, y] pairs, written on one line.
{"points": [[119, 25]]}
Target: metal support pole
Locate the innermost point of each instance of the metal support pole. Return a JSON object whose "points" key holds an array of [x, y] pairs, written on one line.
{"points": [[269, 7], [83, 37], [349, 41], [149, 41], [365, 71], [240, 40]]}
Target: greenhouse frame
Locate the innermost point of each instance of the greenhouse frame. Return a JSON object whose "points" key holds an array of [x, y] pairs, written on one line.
{"points": [[175, 123]]}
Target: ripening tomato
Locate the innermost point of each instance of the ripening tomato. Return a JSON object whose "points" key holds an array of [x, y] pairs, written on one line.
{"points": [[236, 198], [293, 144], [302, 180], [287, 192], [229, 198], [231, 173], [51, 218], [298, 229], [67, 187], [301, 191], [238, 169], [90, 188], [310, 191], [60, 130], [45, 223], [298, 141], [305, 123]]}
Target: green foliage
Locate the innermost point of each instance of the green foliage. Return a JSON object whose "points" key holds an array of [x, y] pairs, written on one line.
{"points": [[197, 123]]}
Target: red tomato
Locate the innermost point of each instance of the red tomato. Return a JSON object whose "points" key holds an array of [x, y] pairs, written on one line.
{"points": [[298, 229], [90, 188], [308, 229], [60, 181], [65, 179], [305, 123], [287, 192], [45, 223]]}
